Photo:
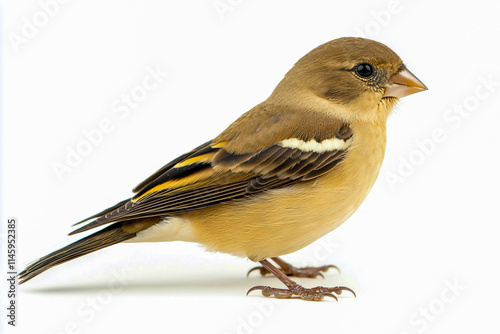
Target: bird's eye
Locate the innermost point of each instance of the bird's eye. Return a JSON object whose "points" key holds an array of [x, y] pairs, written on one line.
{"points": [[364, 70]]}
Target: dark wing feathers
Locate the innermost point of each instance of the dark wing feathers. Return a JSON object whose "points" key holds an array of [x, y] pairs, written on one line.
{"points": [[151, 181], [217, 176], [166, 205]]}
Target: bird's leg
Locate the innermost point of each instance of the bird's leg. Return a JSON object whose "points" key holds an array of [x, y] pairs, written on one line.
{"points": [[290, 270], [294, 289]]}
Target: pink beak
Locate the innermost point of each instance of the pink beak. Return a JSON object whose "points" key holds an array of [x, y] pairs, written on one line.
{"points": [[403, 83]]}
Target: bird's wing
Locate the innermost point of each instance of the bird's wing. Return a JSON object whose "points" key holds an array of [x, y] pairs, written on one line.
{"points": [[239, 163]]}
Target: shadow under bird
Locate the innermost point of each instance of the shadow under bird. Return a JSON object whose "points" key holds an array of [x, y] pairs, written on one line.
{"points": [[284, 174]]}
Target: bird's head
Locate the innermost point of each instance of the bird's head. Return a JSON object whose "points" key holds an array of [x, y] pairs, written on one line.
{"points": [[360, 79]]}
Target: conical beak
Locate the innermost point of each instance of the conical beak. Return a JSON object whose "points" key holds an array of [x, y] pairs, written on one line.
{"points": [[403, 83]]}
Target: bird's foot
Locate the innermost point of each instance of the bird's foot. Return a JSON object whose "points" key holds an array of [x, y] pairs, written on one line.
{"points": [[289, 270], [315, 294]]}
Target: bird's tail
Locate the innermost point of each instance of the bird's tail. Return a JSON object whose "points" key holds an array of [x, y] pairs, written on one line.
{"points": [[113, 234]]}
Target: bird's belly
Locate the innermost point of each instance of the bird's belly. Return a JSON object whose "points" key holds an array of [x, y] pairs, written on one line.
{"points": [[280, 221]]}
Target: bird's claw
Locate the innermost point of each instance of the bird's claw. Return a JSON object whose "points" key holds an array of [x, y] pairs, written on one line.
{"points": [[315, 294], [263, 271]]}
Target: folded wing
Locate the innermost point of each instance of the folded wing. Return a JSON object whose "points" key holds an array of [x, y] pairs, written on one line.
{"points": [[216, 172]]}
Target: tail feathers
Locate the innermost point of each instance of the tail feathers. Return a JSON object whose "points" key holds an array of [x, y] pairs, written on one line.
{"points": [[108, 236]]}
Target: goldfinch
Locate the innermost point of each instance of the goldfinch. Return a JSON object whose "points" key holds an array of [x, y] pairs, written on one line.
{"points": [[284, 174]]}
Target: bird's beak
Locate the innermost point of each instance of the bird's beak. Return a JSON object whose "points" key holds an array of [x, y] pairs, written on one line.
{"points": [[403, 83]]}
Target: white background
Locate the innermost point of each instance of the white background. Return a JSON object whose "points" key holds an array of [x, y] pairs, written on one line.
{"points": [[435, 225]]}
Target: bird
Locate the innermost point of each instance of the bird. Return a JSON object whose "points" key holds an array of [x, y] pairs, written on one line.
{"points": [[284, 174]]}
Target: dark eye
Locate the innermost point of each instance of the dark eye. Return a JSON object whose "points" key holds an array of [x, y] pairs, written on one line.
{"points": [[364, 70]]}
